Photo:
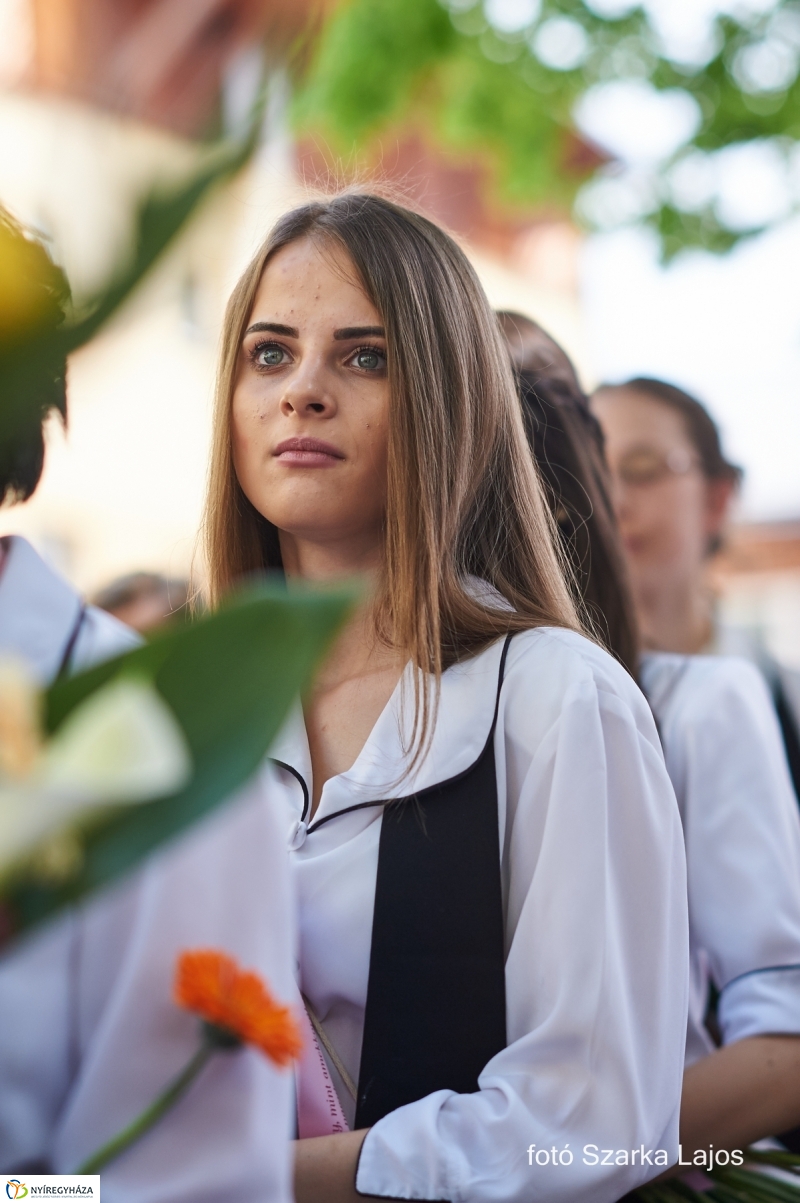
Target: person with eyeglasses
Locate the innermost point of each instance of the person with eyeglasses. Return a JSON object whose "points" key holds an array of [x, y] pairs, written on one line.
{"points": [[673, 490]]}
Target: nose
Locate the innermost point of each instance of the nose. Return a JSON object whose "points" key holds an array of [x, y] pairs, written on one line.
{"points": [[308, 391]]}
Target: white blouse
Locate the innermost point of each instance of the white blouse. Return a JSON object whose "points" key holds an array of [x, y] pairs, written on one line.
{"points": [[725, 757], [593, 872]]}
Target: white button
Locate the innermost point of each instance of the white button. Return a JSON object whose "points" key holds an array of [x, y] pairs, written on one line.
{"points": [[297, 835]]}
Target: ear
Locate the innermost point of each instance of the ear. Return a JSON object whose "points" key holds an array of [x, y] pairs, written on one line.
{"points": [[719, 498]]}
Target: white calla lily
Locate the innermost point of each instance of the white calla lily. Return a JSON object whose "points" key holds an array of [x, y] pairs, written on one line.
{"points": [[121, 746]]}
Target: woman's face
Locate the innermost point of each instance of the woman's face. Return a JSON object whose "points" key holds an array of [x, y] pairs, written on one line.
{"points": [[668, 511], [311, 408]]}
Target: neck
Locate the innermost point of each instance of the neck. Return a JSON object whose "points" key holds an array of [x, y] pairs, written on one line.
{"points": [[332, 560], [356, 649], [675, 618]]}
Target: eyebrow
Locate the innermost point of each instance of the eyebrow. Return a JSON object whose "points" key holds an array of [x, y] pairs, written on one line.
{"points": [[342, 335], [359, 332], [273, 328]]}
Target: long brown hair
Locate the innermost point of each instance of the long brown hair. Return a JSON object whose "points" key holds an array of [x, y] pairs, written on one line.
{"points": [[463, 496]]}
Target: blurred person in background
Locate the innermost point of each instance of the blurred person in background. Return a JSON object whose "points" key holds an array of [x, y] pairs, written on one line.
{"points": [[89, 1034], [42, 618], [144, 600], [673, 490], [724, 755]]}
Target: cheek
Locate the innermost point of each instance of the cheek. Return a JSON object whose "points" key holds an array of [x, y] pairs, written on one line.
{"points": [[677, 523], [368, 427], [247, 438], [241, 436]]}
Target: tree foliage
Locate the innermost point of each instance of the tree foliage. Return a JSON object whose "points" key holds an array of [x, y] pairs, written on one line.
{"points": [[501, 79]]}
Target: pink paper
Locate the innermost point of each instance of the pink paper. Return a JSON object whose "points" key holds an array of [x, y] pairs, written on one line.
{"points": [[319, 1112]]}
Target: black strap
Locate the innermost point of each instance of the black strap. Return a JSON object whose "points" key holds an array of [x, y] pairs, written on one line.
{"points": [[64, 666], [436, 1006], [287, 768], [791, 737]]}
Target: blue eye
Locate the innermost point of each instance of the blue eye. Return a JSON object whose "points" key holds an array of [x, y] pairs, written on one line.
{"points": [[369, 359], [269, 356]]}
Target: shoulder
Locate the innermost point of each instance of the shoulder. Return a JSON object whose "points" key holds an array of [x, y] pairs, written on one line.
{"points": [[690, 688], [565, 659], [550, 669], [719, 727], [41, 614], [102, 637]]}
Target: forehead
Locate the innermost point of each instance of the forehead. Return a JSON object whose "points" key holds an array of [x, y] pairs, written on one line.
{"points": [[312, 282], [630, 418]]}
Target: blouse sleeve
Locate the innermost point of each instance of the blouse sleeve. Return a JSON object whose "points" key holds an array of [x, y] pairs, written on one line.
{"points": [[597, 960], [742, 844], [34, 1054]]}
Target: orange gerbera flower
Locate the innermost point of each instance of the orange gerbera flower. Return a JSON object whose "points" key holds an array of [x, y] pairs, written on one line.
{"points": [[211, 984]]}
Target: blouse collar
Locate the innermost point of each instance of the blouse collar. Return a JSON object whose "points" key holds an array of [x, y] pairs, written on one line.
{"points": [[38, 610], [463, 721]]}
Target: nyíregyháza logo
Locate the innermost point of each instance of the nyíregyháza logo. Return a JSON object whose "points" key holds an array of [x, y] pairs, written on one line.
{"points": [[49, 1185]]}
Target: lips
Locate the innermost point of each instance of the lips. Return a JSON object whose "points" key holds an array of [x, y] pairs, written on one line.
{"points": [[307, 453]]}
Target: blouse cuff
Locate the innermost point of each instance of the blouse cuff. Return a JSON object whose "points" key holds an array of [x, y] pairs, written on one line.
{"points": [[764, 1002], [398, 1161]]}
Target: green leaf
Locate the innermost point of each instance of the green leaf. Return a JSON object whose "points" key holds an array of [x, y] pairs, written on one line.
{"points": [[751, 1187], [733, 1184], [230, 679]]}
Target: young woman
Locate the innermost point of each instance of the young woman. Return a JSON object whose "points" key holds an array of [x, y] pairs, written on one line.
{"points": [[723, 753], [486, 848], [673, 490]]}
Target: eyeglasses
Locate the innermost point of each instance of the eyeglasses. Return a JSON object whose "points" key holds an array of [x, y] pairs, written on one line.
{"points": [[647, 466]]}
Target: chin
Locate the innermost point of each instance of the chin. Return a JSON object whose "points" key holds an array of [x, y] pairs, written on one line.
{"points": [[313, 527]]}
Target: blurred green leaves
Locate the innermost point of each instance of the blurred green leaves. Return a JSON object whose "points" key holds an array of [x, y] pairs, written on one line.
{"points": [[732, 1184], [372, 58], [229, 680], [501, 79]]}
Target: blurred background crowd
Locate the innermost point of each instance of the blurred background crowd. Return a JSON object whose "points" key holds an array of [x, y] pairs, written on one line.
{"points": [[626, 174]]}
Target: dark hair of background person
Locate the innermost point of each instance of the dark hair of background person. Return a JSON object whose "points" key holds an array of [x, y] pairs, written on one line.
{"points": [[145, 600], [22, 414], [567, 445], [702, 430]]}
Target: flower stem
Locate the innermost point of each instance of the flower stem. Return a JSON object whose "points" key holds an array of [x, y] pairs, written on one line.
{"points": [[150, 1116]]}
